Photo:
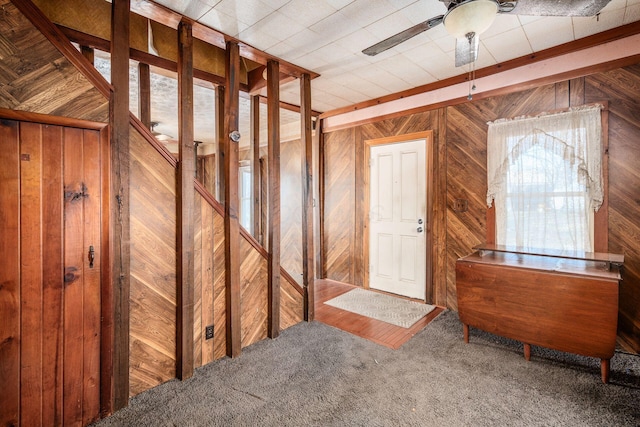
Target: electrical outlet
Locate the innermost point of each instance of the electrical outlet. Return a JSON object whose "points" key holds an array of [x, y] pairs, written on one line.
{"points": [[461, 205], [208, 332]]}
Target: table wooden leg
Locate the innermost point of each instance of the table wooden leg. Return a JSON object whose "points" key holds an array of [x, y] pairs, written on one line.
{"points": [[465, 331], [527, 352], [604, 370]]}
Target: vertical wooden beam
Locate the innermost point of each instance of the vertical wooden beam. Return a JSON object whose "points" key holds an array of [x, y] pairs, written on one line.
{"points": [[144, 94], [308, 255], [231, 201], [255, 167], [186, 173], [439, 227], [222, 142], [361, 169], [321, 190], [273, 119], [88, 53], [119, 123]]}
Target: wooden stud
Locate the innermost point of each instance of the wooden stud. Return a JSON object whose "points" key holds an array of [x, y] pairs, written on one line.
{"points": [[144, 94], [273, 120], [308, 255], [255, 167], [120, 266], [186, 173], [221, 142], [231, 223], [88, 53]]}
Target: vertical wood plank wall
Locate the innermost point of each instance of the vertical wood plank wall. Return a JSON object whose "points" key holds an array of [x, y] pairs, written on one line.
{"points": [[462, 167]]}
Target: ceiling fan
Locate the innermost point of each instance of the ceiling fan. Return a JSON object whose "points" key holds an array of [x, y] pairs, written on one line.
{"points": [[467, 19]]}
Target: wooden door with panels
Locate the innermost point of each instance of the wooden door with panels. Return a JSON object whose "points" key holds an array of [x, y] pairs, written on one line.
{"points": [[398, 215], [53, 249]]}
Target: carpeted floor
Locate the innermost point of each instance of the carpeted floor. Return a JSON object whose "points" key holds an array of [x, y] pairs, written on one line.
{"points": [[315, 375]]}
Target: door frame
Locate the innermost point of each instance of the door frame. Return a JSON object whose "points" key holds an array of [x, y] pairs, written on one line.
{"points": [[107, 307], [427, 136]]}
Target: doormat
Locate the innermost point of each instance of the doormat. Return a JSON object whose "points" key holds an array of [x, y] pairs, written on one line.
{"points": [[397, 311]]}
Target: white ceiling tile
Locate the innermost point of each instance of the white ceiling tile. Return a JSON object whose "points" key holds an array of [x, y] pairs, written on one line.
{"points": [[526, 19], [255, 37], [383, 78], [358, 83], [306, 15], [389, 25], [307, 41], [548, 32], [310, 62], [614, 4], [192, 8], [278, 26], [276, 4], [333, 27], [584, 27], [501, 24], [632, 14], [247, 11], [508, 45], [338, 4], [361, 13], [439, 65], [400, 4], [357, 41], [223, 22], [423, 10]]}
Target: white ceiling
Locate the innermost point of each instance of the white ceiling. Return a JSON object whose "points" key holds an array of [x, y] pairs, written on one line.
{"points": [[327, 36]]}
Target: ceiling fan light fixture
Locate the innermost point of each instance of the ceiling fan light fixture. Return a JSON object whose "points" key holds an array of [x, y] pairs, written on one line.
{"points": [[471, 16]]}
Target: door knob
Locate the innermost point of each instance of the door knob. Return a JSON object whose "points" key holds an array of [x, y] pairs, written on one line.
{"points": [[420, 221], [92, 256], [419, 229]]}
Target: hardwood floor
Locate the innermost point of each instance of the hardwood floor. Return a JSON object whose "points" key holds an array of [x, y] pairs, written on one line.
{"points": [[374, 330]]}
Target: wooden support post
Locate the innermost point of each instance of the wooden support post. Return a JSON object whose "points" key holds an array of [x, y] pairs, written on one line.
{"points": [[273, 120], [231, 201], [144, 94], [120, 267], [186, 173], [222, 142], [308, 264], [255, 167], [88, 53]]}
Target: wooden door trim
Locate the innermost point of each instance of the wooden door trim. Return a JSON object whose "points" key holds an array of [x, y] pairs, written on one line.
{"points": [[107, 349], [428, 137]]}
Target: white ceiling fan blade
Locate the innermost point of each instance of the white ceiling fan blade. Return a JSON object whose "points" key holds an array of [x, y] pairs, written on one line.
{"points": [[467, 50]]}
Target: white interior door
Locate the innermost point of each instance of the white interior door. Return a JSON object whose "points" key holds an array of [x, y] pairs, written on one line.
{"points": [[397, 213]]}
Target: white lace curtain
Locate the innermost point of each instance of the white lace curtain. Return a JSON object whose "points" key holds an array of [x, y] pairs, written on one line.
{"points": [[544, 177]]}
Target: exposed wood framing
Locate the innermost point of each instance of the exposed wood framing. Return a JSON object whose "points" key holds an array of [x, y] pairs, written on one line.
{"points": [[255, 167], [231, 223], [186, 173], [308, 255], [273, 149], [88, 53], [144, 94], [119, 122], [221, 143]]}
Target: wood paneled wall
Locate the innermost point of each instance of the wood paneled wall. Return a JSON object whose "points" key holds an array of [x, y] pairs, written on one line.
{"points": [[36, 77], [460, 138], [153, 267]]}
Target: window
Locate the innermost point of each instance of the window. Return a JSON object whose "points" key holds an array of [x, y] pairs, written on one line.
{"points": [[545, 179], [244, 186]]}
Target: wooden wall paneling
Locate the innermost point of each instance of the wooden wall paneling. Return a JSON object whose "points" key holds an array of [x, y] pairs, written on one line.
{"points": [[219, 288], [198, 285], [207, 280], [31, 322], [562, 94], [306, 157], [231, 201], [91, 232], [291, 206], [119, 124], [153, 279], [273, 147], [361, 169], [50, 84], [621, 88], [264, 200], [339, 205], [292, 309], [576, 92], [254, 294], [186, 174], [10, 273], [144, 94], [254, 157]]}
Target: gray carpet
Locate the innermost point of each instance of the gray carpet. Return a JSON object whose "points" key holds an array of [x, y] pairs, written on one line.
{"points": [[315, 375]]}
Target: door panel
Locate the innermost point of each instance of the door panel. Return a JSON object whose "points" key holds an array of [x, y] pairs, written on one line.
{"points": [[397, 210], [50, 206]]}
